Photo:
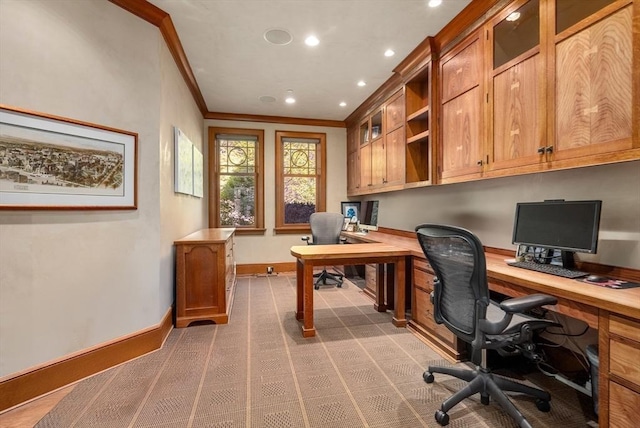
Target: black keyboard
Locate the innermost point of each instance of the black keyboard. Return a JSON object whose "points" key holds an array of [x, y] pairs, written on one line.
{"points": [[550, 269]]}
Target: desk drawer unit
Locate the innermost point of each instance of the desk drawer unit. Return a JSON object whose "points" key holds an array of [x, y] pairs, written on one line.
{"points": [[422, 320], [624, 372]]}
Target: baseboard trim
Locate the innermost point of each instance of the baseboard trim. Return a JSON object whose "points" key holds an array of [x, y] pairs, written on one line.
{"points": [[261, 268], [29, 384]]}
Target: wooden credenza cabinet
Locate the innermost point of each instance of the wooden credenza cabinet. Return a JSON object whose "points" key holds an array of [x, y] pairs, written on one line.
{"points": [[205, 276]]}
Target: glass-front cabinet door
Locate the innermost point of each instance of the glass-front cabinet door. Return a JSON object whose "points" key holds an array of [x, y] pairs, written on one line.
{"points": [[515, 96]]}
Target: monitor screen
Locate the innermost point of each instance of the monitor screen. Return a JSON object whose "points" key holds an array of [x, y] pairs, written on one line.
{"points": [[562, 225], [369, 220]]}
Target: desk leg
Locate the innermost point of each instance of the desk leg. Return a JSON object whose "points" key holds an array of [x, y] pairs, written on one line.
{"points": [[307, 328], [391, 269], [379, 304], [399, 319], [299, 289]]}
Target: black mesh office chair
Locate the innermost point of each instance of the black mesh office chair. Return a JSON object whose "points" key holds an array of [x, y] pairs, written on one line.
{"points": [[461, 302], [325, 229]]}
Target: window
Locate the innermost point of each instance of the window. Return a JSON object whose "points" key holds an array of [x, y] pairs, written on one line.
{"points": [[237, 180], [300, 179]]}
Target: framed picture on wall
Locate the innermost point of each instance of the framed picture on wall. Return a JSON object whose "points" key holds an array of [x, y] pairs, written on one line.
{"points": [[351, 209], [55, 163], [183, 175]]}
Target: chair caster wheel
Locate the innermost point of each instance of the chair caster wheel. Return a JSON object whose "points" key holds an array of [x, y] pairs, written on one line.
{"points": [[339, 285], [543, 405], [428, 377], [442, 418], [484, 399], [317, 287]]}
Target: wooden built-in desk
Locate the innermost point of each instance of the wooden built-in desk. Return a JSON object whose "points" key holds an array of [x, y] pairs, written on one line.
{"points": [[309, 256], [614, 313]]}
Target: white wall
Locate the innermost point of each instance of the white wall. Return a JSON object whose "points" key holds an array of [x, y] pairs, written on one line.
{"points": [[180, 214], [71, 280], [487, 207], [271, 247]]}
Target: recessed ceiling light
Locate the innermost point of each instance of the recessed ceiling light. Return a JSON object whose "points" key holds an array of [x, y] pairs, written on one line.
{"points": [[311, 41], [277, 36], [513, 16], [289, 99], [267, 99], [362, 83], [389, 52], [435, 3], [343, 104]]}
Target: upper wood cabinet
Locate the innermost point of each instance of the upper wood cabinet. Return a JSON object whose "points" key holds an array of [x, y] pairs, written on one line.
{"points": [[594, 84], [462, 144], [371, 142], [516, 99], [538, 85], [353, 161], [393, 156]]}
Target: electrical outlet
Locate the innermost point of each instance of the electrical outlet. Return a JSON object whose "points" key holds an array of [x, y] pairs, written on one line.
{"points": [[269, 270]]}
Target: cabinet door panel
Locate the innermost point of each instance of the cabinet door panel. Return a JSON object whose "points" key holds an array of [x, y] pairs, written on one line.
{"points": [[611, 77], [516, 124], [395, 156], [200, 292], [378, 162], [353, 172], [572, 92], [365, 166], [593, 88], [394, 114], [461, 72], [461, 135]]}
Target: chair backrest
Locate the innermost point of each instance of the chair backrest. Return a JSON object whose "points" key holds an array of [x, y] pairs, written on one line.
{"points": [[326, 228], [461, 295]]}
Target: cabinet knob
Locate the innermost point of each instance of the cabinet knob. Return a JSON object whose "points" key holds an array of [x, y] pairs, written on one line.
{"points": [[541, 150], [479, 162], [549, 149]]}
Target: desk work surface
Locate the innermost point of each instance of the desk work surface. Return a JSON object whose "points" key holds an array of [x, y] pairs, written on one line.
{"points": [[207, 236], [623, 301], [341, 251]]}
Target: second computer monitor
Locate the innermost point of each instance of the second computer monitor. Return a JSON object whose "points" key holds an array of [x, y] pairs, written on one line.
{"points": [[369, 218]]}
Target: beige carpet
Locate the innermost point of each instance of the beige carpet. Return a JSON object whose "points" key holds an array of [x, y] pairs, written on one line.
{"points": [[257, 371]]}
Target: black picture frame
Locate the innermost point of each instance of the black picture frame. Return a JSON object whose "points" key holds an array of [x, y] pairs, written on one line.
{"points": [[351, 209]]}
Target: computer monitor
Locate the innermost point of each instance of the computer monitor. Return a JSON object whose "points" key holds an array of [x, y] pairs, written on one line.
{"points": [[369, 220], [568, 226]]}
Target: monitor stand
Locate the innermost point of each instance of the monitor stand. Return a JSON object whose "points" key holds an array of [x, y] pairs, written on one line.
{"points": [[568, 261]]}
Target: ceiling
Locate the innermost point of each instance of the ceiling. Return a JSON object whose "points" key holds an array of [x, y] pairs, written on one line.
{"points": [[234, 65]]}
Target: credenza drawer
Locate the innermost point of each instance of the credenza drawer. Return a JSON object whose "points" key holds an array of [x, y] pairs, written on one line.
{"points": [[423, 311], [624, 327], [623, 360], [421, 264], [423, 316], [624, 406], [423, 280]]}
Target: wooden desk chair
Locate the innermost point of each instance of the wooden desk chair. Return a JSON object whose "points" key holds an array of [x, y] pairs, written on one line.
{"points": [[461, 302]]}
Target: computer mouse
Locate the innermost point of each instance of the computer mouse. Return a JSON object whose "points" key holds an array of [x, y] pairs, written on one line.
{"points": [[597, 278]]}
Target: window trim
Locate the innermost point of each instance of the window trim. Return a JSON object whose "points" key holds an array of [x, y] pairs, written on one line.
{"points": [[321, 197], [214, 180]]}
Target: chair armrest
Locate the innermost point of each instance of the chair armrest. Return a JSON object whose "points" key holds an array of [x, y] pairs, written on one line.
{"points": [[306, 238], [524, 303]]}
